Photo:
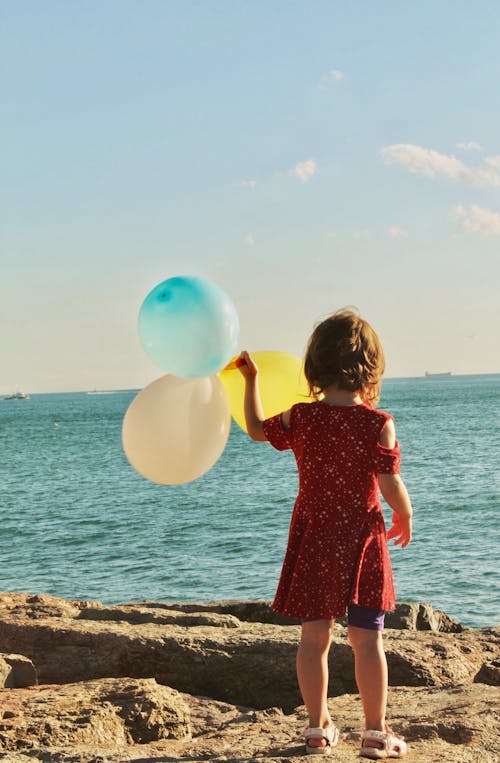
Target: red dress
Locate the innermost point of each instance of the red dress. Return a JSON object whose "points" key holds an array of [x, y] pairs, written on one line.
{"points": [[337, 551]]}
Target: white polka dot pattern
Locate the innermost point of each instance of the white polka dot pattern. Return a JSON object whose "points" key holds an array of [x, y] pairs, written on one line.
{"points": [[337, 550]]}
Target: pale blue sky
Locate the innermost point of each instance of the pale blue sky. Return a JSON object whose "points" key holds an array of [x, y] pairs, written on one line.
{"points": [[304, 155]]}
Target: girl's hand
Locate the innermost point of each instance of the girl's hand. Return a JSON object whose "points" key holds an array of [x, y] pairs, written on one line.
{"points": [[246, 365], [400, 530]]}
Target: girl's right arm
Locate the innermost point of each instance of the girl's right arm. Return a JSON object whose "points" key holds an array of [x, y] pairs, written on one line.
{"points": [[396, 495], [254, 415]]}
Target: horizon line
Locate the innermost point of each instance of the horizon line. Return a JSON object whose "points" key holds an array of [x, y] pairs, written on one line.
{"points": [[117, 390]]}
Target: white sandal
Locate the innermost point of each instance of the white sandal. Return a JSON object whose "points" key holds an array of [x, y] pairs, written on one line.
{"points": [[392, 747], [330, 735]]}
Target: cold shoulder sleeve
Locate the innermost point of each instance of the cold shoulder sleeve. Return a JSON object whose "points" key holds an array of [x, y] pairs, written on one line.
{"points": [[387, 460], [279, 437]]}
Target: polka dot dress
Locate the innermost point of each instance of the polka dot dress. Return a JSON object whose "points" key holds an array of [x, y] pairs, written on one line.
{"points": [[337, 550]]}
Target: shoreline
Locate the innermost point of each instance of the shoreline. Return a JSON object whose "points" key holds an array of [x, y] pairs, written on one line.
{"points": [[203, 603]]}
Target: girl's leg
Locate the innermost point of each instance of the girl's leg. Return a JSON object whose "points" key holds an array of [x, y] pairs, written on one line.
{"points": [[371, 674], [312, 672]]}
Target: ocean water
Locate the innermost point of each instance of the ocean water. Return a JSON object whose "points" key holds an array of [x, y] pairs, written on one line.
{"points": [[77, 521]]}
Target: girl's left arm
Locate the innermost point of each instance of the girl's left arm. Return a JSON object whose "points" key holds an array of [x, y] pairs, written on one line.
{"points": [[395, 494]]}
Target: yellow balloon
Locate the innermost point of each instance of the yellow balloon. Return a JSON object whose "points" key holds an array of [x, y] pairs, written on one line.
{"points": [[281, 384], [176, 429]]}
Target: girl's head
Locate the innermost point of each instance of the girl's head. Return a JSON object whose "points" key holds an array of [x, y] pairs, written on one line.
{"points": [[346, 352]]}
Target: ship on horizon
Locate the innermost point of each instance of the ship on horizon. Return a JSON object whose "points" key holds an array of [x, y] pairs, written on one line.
{"points": [[17, 395], [440, 374]]}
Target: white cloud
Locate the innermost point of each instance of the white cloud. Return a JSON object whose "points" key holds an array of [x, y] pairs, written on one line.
{"points": [[478, 220], [469, 145], [395, 232], [248, 183], [334, 75], [249, 239], [304, 171], [426, 161], [493, 161]]}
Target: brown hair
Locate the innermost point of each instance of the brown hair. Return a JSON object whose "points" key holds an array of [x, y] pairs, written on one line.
{"points": [[345, 350]]}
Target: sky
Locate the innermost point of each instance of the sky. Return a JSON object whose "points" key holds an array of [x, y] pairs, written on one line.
{"points": [[303, 154]]}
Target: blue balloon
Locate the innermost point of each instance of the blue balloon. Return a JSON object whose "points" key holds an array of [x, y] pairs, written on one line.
{"points": [[189, 326]]}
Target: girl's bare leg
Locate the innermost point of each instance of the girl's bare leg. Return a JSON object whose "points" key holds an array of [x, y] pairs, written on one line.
{"points": [[312, 672], [371, 674]]}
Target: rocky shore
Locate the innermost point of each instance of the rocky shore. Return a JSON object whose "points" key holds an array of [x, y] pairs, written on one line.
{"points": [[150, 681]]}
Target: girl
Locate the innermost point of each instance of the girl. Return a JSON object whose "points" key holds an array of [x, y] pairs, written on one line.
{"points": [[337, 556]]}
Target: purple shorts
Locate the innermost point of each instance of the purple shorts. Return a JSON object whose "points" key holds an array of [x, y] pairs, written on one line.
{"points": [[360, 617]]}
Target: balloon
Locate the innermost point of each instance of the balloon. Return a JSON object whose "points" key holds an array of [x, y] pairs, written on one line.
{"points": [[176, 429], [189, 326], [281, 384]]}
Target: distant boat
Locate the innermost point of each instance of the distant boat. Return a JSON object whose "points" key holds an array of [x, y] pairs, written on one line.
{"points": [[439, 375], [101, 392], [17, 396]]}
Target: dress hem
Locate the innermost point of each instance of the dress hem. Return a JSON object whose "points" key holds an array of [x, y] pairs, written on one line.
{"points": [[328, 615]]}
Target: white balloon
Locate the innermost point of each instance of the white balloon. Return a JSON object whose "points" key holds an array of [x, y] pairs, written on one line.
{"points": [[177, 428]]}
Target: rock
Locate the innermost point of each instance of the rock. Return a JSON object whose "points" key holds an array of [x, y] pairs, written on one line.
{"points": [[489, 673], [255, 611], [109, 712], [16, 671], [421, 617], [117, 669], [252, 665], [418, 659], [407, 615], [136, 614], [453, 725], [39, 606]]}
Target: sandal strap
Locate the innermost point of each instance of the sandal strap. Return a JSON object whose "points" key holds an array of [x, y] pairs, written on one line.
{"points": [[387, 738], [380, 736], [328, 733]]}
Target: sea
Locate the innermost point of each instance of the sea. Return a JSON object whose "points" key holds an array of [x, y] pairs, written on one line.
{"points": [[78, 522]]}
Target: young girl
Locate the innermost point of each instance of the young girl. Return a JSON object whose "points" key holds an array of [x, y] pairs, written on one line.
{"points": [[337, 557]]}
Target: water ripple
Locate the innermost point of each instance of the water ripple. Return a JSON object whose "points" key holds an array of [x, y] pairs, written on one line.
{"points": [[77, 521]]}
